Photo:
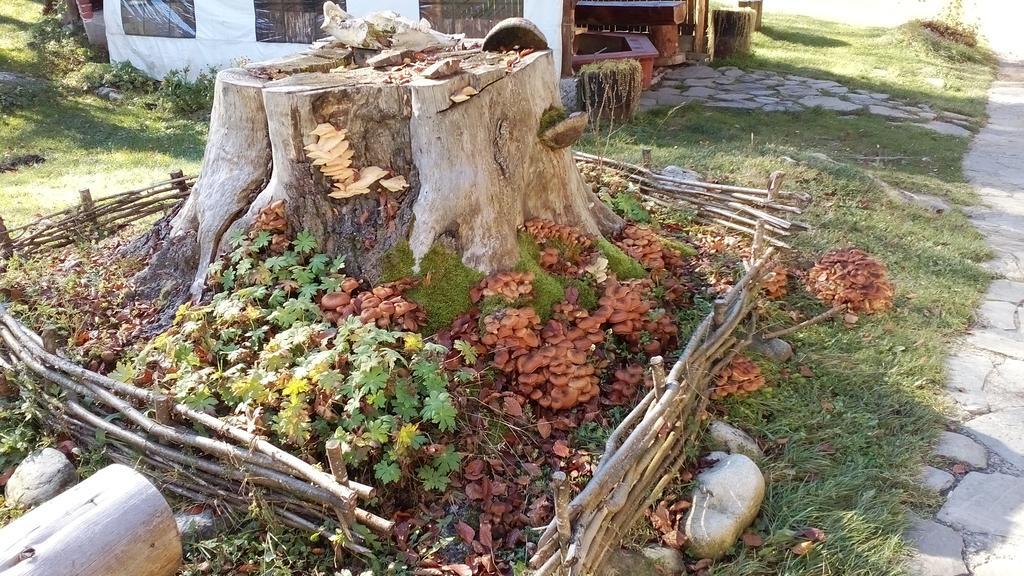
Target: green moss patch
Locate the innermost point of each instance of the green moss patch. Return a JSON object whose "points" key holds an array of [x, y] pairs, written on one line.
{"points": [[444, 292], [551, 117], [620, 263]]}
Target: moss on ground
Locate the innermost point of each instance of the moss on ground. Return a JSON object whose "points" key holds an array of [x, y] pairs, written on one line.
{"points": [[620, 263], [444, 291]]}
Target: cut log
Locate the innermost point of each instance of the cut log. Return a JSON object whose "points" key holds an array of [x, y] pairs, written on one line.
{"points": [[758, 7], [466, 144], [732, 31], [115, 522]]}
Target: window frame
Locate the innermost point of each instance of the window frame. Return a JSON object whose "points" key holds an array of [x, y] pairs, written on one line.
{"points": [[156, 18], [277, 13]]}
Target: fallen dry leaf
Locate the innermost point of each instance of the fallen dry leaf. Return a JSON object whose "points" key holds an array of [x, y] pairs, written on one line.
{"points": [[752, 539], [802, 548], [395, 184], [806, 371], [512, 407], [959, 469], [561, 449], [466, 532], [674, 539], [813, 534], [544, 429]]}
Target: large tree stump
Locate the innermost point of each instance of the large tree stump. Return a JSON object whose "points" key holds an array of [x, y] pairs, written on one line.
{"points": [[476, 168], [115, 522], [732, 31]]}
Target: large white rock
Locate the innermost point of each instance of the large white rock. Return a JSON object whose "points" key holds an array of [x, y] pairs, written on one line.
{"points": [[725, 502], [733, 440], [39, 477]]}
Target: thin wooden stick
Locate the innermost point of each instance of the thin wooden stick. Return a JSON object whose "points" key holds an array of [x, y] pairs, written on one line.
{"points": [[832, 313]]}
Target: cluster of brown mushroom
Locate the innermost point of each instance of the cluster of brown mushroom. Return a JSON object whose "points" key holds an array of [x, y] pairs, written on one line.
{"points": [[272, 220], [384, 306], [644, 245], [559, 375], [851, 278], [776, 283], [564, 249], [511, 333], [740, 377], [628, 380], [629, 313], [508, 285]]}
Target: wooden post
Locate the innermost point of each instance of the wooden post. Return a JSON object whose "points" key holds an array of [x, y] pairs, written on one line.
{"points": [[88, 209], [561, 488], [50, 336], [646, 159], [666, 39], [115, 522], [6, 245], [163, 408], [568, 36], [758, 7], [775, 184], [658, 376], [180, 177], [700, 31], [336, 450], [721, 306]]}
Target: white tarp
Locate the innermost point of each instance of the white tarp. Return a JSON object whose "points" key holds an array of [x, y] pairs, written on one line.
{"points": [[225, 33]]}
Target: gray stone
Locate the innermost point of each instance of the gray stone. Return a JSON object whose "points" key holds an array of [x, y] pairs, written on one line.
{"points": [[776, 349], [776, 108], [836, 89], [668, 560], [829, 103], [738, 104], [680, 173], [733, 440], [879, 96], [731, 71], [40, 476], [955, 116], [947, 128], [967, 373], [960, 448], [939, 550], [200, 526], [1006, 291], [108, 93], [1010, 566], [999, 315], [693, 72], [622, 562], [705, 82], [927, 116], [861, 99], [700, 92], [726, 501], [999, 343], [936, 480], [766, 100], [570, 98], [991, 504], [1002, 432], [887, 112], [733, 97], [936, 82]]}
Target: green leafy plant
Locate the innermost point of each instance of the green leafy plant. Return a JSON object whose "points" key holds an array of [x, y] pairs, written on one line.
{"points": [[63, 49], [261, 351], [184, 96]]}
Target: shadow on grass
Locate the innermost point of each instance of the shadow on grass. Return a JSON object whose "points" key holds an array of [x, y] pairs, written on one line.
{"points": [[804, 38]]}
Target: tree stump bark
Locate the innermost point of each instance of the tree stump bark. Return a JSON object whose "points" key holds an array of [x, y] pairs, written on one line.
{"points": [[731, 31], [476, 168], [115, 522], [758, 7]]}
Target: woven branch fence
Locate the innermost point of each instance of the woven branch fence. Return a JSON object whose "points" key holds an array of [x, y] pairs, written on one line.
{"points": [[234, 467], [93, 219]]}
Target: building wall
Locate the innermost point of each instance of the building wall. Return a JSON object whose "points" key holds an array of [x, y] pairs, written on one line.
{"points": [[225, 34]]}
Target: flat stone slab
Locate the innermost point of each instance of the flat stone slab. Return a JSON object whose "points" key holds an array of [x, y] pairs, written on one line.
{"points": [[998, 314], [937, 480], [947, 128], [1002, 432], [887, 112], [829, 103], [990, 504], [960, 448], [1006, 291], [693, 72], [700, 92], [939, 550], [999, 342]]}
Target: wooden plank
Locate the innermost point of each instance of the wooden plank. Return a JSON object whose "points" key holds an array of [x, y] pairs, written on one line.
{"points": [[650, 13]]}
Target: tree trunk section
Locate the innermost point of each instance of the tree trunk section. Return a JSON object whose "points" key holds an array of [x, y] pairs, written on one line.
{"points": [[476, 169], [115, 522], [731, 31]]}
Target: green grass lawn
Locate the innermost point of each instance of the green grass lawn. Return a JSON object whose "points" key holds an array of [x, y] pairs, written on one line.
{"points": [[896, 61], [87, 142], [847, 442]]}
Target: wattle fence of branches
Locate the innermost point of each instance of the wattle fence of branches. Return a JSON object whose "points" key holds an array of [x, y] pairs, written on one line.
{"points": [[233, 467], [94, 219]]}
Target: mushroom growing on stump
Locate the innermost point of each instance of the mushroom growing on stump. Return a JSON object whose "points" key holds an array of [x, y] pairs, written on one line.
{"points": [[368, 159]]}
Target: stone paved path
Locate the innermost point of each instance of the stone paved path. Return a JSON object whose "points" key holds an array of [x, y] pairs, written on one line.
{"points": [[731, 87], [980, 528]]}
